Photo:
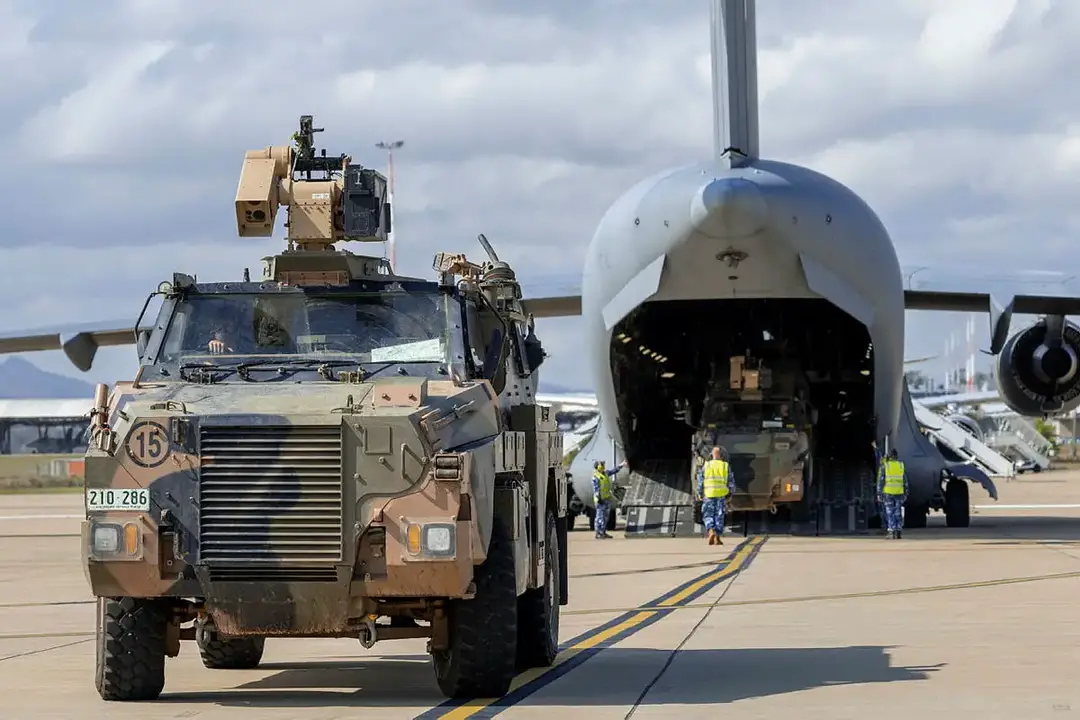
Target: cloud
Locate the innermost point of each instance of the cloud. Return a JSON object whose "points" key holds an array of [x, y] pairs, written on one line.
{"points": [[125, 123]]}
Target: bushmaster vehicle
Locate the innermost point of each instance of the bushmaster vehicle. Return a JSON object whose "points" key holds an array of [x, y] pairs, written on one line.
{"points": [[759, 414], [326, 448]]}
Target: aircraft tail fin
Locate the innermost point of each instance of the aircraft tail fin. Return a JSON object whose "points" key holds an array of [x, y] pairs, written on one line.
{"points": [[734, 82]]}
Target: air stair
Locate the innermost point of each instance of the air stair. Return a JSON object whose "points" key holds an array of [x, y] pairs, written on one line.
{"points": [[962, 443], [1017, 435]]}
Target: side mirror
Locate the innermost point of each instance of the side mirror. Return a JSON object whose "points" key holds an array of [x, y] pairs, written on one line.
{"points": [[142, 340]]}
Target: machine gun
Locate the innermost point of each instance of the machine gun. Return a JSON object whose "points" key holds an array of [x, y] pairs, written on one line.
{"points": [[329, 199]]}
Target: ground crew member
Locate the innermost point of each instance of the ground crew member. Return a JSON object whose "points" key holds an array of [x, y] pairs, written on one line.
{"points": [[603, 496], [892, 493], [714, 486]]}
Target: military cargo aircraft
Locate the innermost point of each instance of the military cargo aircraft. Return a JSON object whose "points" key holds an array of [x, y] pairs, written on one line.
{"points": [[742, 256]]}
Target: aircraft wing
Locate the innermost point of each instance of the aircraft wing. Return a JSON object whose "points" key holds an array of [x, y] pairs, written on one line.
{"points": [[79, 342], [973, 398], [585, 401]]}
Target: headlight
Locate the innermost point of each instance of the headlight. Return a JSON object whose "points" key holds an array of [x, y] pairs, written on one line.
{"points": [[106, 539], [431, 540], [112, 541]]}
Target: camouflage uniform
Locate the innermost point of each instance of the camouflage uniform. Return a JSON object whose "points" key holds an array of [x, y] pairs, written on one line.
{"points": [[712, 509], [893, 498], [601, 480]]}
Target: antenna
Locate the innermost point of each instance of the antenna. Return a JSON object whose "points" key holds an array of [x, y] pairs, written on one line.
{"points": [[734, 82]]}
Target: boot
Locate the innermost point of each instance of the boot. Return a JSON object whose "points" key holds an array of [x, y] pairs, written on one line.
{"points": [[899, 534], [889, 535], [712, 537]]}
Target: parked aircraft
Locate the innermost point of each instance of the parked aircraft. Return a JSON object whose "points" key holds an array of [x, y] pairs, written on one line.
{"points": [[741, 255]]}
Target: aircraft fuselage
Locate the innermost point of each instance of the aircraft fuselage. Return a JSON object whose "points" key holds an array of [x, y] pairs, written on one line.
{"points": [[770, 258]]}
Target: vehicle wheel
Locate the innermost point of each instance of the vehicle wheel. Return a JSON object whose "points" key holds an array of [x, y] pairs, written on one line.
{"points": [[538, 610], [915, 515], [218, 653], [130, 648], [482, 659], [957, 509]]}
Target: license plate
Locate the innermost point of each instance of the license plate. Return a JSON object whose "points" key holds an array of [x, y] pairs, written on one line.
{"points": [[133, 499]]}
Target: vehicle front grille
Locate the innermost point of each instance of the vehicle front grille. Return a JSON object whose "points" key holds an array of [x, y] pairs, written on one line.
{"points": [[270, 495]]}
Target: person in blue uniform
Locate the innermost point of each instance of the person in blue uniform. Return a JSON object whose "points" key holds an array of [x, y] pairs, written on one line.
{"points": [[713, 487], [603, 490], [892, 493]]}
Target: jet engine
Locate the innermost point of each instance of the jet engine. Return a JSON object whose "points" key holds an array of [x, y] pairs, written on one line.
{"points": [[1038, 369]]}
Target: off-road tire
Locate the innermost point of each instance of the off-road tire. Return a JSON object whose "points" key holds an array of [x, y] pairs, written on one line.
{"points": [[957, 507], [219, 653], [130, 648], [482, 659], [538, 610]]}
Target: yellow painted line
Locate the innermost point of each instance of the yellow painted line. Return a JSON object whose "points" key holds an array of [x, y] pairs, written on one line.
{"points": [[474, 706], [734, 565]]}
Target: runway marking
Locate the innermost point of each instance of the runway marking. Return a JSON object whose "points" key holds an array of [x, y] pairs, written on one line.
{"points": [[850, 596], [578, 650], [42, 517]]}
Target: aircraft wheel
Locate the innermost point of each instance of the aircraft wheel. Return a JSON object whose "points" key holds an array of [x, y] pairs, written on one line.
{"points": [[957, 509], [915, 516]]}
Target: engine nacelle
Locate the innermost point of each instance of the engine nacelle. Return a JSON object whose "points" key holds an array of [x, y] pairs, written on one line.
{"points": [[1035, 379]]}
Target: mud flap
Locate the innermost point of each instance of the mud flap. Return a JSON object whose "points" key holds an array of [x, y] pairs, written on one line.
{"points": [[561, 526]]}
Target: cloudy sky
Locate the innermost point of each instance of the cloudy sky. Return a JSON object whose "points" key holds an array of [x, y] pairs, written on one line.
{"points": [[125, 123]]}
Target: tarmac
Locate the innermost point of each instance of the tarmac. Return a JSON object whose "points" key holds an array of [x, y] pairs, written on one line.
{"points": [[981, 622]]}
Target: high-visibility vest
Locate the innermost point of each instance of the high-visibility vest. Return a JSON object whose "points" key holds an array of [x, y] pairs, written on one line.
{"points": [[603, 482], [716, 479], [894, 477]]}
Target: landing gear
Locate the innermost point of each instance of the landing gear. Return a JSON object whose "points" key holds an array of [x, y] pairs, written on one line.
{"points": [[957, 507], [915, 515]]}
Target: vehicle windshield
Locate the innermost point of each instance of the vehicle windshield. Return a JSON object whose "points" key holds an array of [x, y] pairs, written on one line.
{"points": [[749, 416], [392, 327]]}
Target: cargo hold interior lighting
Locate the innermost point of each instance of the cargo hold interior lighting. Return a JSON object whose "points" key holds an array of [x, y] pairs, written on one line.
{"points": [[647, 352]]}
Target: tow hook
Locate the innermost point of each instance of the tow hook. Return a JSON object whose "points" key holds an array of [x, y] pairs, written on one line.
{"points": [[204, 630], [368, 634]]}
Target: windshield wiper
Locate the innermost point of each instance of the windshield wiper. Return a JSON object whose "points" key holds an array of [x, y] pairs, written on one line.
{"points": [[286, 367]]}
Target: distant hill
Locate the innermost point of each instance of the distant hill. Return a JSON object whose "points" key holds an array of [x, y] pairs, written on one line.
{"points": [[22, 380]]}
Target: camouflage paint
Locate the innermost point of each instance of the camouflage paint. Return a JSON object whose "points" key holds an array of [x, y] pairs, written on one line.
{"points": [[380, 440]]}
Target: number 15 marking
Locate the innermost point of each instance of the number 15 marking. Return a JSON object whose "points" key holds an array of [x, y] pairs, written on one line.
{"points": [[148, 444]]}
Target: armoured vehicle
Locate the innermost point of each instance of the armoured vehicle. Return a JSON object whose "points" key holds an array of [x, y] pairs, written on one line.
{"points": [[330, 451], [760, 416]]}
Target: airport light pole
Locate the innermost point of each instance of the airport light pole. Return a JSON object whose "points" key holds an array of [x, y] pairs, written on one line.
{"points": [[390, 147]]}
